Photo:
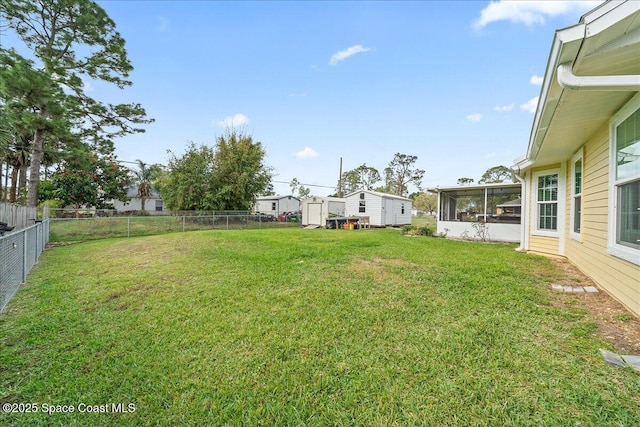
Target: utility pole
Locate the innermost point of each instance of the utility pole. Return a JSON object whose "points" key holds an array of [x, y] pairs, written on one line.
{"points": [[340, 180]]}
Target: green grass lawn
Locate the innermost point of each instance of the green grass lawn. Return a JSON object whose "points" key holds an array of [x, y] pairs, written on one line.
{"points": [[424, 221], [304, 327]]}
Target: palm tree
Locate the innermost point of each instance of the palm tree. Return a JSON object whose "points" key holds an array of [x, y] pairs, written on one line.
{"points": [[143, 178], [146, 179]]}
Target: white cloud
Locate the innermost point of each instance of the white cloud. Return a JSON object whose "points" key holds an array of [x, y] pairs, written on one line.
{"points": [[474, 118], [536, 80], [344, 54], [504, 108], [530, 12], [531, 105], [234, 121], [306, 153]]}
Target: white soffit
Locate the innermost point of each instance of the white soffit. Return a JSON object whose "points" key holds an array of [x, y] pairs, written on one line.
{"points": [[565, 119]]}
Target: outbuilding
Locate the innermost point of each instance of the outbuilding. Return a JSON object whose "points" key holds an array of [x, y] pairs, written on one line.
{"points": [[316, 209], [276, 205], [382, 209]]}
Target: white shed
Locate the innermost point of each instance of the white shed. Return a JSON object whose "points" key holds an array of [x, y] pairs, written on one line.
{"points": [[316, 209], [276, 205], [381, 208]]}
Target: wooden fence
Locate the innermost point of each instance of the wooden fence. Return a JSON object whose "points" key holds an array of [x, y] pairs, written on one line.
{"points": [[17, 216]]}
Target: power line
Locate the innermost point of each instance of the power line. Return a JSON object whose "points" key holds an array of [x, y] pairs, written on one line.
{"points": [[308, 185]]}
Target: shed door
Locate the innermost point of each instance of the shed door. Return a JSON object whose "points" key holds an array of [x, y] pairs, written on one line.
{"points": [[388, 204], [314, 214]]}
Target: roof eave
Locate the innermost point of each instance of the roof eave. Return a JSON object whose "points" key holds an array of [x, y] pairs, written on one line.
{"points": [[559, 79]]}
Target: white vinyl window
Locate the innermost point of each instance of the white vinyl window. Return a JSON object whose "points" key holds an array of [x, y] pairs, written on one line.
{"points": [[576, 196], [624, 206], [546, 187]]}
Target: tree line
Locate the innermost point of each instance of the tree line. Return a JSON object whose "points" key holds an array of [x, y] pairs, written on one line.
{"points": [[49, 125], [57, 142], [398, 176]]}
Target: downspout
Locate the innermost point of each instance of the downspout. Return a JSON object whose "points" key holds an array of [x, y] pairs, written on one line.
{"points": [[524, 212], [568, 80]]}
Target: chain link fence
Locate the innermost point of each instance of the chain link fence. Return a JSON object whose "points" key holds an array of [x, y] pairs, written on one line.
{"points": [[19, 252], [94, 226]]}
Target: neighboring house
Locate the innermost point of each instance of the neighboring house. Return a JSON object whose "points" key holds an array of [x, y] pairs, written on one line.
{"points": [[276, 205], [316, 209], [581, 171], [511, 209], [381, 208], [498, 206], [152, 204]]}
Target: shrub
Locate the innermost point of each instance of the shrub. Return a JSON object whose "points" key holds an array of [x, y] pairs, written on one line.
{"points": [[406, 229], [412, 230], [424, 231]]}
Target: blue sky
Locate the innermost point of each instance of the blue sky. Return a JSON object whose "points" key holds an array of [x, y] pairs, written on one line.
{"points": [[454, 83]]}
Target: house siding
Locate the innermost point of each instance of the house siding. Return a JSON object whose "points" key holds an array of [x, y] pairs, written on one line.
{"points": [[544, 245], [316, 209], [400, 218], [375, 208], [372, 208], [283, 204], [615, 275], [135, 204]]}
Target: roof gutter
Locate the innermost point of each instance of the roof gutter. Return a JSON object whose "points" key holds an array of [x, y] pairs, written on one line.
{"points": [[568, 80]]}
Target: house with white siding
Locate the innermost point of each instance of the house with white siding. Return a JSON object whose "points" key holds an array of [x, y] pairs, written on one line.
{"points": [[152, 204], [276, 205], [381, 208], [581, 170]]}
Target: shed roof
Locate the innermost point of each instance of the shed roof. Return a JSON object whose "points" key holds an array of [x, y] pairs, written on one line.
{"points": [[377, 193], [327, 198], [265, 198], [514, 202]]}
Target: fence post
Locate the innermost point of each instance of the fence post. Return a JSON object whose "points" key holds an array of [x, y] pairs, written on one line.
{"points": [[37, 253], [128, 226], [183, 222], [227, 222], [25, 241]]}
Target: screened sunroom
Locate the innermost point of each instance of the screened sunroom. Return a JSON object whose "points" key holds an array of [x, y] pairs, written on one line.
{"points": [[486, 212]]}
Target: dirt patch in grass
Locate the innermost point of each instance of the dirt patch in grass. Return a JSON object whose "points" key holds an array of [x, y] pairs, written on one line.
{"points": [[615, 323], [58, 244]]}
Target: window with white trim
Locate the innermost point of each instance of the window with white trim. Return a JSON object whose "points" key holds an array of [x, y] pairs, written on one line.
{"points": [[624, 219], [576, 196], [546, 188]]}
